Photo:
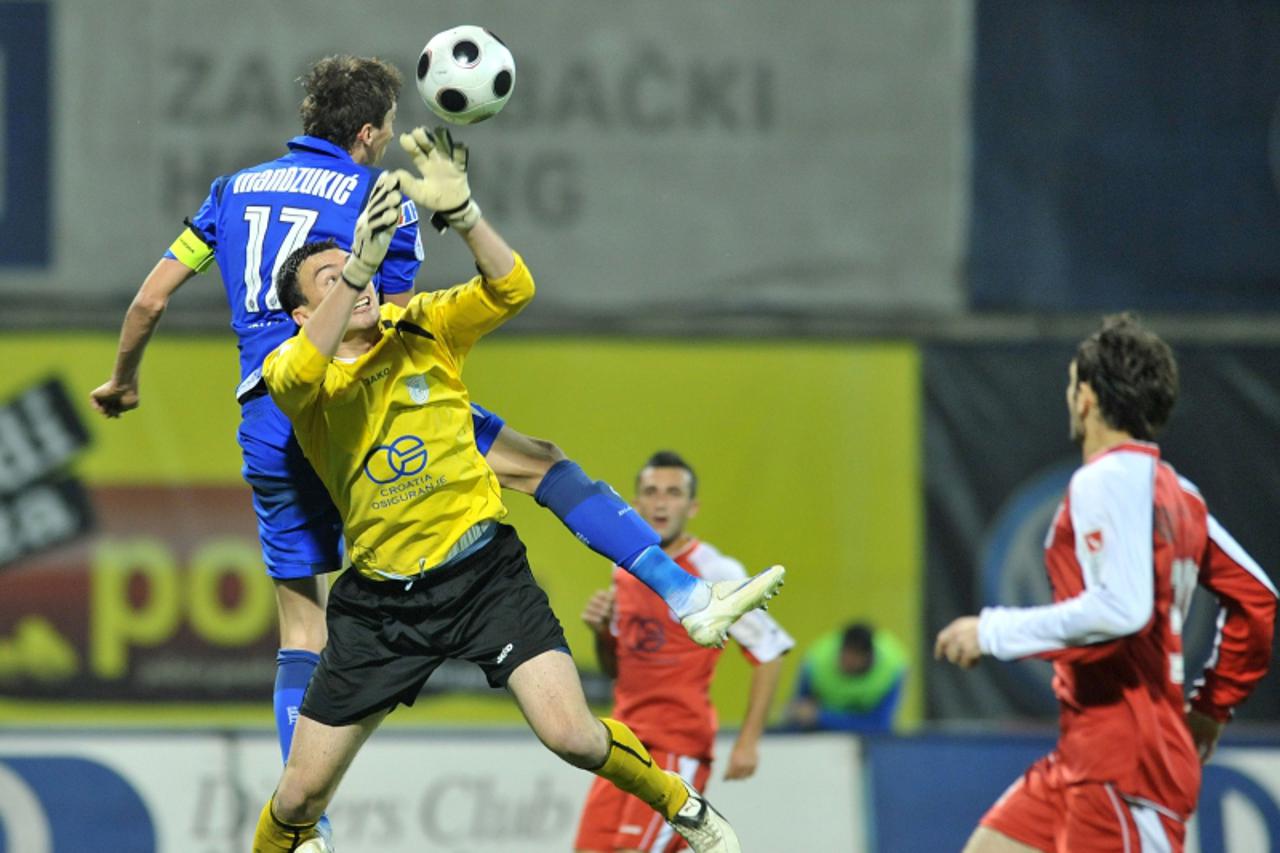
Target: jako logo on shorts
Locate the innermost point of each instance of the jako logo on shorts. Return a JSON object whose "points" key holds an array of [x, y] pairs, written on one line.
{"points": [[404, 457]]}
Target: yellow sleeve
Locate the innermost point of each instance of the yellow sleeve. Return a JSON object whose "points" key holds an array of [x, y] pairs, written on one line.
{"points": [[464, 313], [294, 373]]}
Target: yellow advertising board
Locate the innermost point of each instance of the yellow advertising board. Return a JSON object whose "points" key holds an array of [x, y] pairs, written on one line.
{"points": [[807, 455]]}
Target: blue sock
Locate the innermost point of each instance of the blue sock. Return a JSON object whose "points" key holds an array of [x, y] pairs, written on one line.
{"points": [[293, 671], [605, 523], [684, 593]]}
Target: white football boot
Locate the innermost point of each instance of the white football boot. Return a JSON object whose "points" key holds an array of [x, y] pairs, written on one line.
{"points": [[703, 827], [729, 600]]}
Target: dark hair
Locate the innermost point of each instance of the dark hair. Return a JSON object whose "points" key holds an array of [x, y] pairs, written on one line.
{"points": [[344, 93], [1132, 372], [288, 288], [858, 637], [670, 459]]}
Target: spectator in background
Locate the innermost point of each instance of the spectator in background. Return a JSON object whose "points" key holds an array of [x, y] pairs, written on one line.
{"points": [[850, 681]]}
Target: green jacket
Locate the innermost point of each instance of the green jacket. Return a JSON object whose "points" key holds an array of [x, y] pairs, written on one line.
{"points": [[836, 691]]}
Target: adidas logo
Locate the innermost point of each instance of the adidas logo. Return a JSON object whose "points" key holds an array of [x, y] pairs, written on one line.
{"points": [[506, 650]]}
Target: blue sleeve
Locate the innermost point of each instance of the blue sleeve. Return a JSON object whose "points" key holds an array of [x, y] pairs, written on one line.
{"points": [[487, 426], [205, 222], [405, 254], [877, 719]]}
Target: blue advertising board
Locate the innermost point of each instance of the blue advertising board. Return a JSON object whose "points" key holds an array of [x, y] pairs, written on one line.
{"points": [[1125, 155], [61, 804], [927, 793], [25, 135]]}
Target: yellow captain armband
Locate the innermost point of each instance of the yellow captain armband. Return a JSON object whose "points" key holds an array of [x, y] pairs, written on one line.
{"points": [[192, 251]]}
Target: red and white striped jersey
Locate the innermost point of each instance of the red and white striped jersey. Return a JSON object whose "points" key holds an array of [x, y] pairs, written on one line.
{"points": [[1125, 552], [663, 675]]}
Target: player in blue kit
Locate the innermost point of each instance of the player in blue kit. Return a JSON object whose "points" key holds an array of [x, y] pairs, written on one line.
{"points": [[249, 223]]}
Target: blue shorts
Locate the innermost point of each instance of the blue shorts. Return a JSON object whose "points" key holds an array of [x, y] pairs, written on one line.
{"points": [[299, 528]]}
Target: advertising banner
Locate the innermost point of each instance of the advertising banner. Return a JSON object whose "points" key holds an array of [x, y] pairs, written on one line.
{"points": [[166, 614], [718, 158], [1239, 807], [502, 792], [41, 505], [498, 792], [997, 463], [168, 602]]}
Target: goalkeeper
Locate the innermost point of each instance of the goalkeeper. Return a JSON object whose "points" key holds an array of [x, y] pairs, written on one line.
{"points": [[377, 401], [258, 215]]}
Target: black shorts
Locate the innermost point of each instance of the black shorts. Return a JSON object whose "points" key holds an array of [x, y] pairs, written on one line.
{"points": [[385, 640]]}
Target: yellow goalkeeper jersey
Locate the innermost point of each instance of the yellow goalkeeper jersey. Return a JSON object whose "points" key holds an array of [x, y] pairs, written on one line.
{"points": [[390, 433]]}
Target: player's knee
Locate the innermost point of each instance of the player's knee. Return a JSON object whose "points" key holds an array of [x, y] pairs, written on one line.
{"points": [[298, 803], [583, 744]]}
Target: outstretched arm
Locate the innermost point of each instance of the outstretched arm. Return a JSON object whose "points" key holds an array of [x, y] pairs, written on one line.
{"points": [[521, 461], [504, 286], [493, 256], [119, 394], [1112, 520], [294, 372], [442, 186], [327, 325]]}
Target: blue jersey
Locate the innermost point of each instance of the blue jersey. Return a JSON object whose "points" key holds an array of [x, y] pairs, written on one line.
{"points": [[250, 222], [255, 218]]}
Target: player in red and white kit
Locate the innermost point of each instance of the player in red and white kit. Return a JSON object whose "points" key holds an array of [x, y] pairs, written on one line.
{"points": [[1125, 552], [663, 677]]}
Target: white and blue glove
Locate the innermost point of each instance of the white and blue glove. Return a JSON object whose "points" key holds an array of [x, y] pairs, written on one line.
{"points": [[442, 185], [374, 229]]}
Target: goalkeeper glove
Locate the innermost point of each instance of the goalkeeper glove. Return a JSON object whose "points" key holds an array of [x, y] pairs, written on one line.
{"points": [[374, 230], [443, 186]]}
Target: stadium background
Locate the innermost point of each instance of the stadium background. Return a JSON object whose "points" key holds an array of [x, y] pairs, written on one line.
{"points": [[837, 257]]}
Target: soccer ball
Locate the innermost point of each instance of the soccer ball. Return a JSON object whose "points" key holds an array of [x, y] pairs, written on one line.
{"points": [[466, 74]]}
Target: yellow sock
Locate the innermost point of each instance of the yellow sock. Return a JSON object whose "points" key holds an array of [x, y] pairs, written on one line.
{"points": [[630, 767], [275, 836]]}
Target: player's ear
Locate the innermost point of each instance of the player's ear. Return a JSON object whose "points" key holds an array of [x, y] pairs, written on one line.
{"points": [[1086, 399], [300, 315], [693, 507]]}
